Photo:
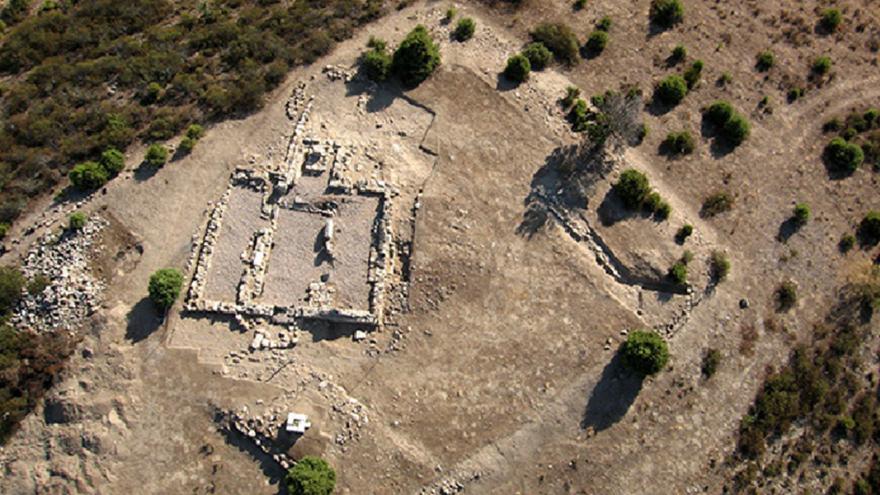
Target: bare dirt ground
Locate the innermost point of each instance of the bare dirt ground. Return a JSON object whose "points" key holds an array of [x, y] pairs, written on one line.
{"points": [[499, 372]]}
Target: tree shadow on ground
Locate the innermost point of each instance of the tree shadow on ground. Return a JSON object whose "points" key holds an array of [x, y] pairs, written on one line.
{"points": [[612, 396], [328, 330], [657, 108], [273, 471], [502, 83], [787, 229], [143, 320], [380, 95], [145, 171], [612, 210]]}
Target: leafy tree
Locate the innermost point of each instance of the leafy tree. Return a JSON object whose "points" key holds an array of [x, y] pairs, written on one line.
{"points": [[801, 214], [671, 90], [518, 68], [645, 352], [632, 187], [666, 13], [597, 42], [765, 61], [11, 283], [843, 156], [679, 143], [736, 130], [831, 19], [464, 29], [77, 220], [88, 176], [869, 228], [195, 132], [560, 40], [719, 113], [164, 287], [416, 58], [311, 476], [376, 64], [157, 155], [678, 272], [539, 58], [113, 161]]}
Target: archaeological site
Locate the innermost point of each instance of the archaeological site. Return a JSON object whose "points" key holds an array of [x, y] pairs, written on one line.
{"points": [[435, 248]]}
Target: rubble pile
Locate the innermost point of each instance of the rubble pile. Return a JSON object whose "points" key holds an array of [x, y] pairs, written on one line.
{"points": [[263, 340], [261, 429], [353, 416], [339, 73], [72, 293]]}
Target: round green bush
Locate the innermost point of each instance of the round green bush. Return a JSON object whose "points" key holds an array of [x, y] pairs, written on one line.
{"points": [[11, 283], [539, 57], [165, 286], [632, 187], [693, 73], [719, 112], [645, 352], [679, 53], [671, 90], [822, 65], [831, 19], [88, 176], [113, 161], [157, 155], [560, 40], [678, 272], [416, 58], [464, 30], [604, 24], [666, 13], [518, 68], [765, 61], [186, 145], [376, 64], [679, 143], [597, 42], [869, 228], [77, 220], [736, 130], [195, 132], [801, 213], [311, 476], [843, 156]]}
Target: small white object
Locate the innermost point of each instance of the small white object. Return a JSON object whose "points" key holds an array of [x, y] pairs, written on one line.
{"points": [[298, 423]]}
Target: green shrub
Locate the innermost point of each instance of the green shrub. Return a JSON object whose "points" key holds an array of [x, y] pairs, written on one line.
{"points": [[831, 19], [786, 295], [560, 40], [632, 187], [376, 64], [662, 211], [416, 58], [572, 93], [847, 242], [719, 112], [311, 476], [666, 13], [451, 12], [187, 144], [604, 24], [152, 93], [693, 73], [579, 116], [719, 265], [77, 220], [580, 4], [645, 352], [113, 161], [195, 132], [157, 155], [464, 30], [518, 68], [88, 176], [869, 228], [725, 79], [765, 61], [4, 229], [842, 156], [679, 53], [597, 42], [683, 233], [795, 94], [822, 65], [717, 203], [377, 44], [539, 58], [801, 213], [164, 287], [678, 272], [671, 90], [679, 143], [11, 284], [711, 362], [736, 130]]}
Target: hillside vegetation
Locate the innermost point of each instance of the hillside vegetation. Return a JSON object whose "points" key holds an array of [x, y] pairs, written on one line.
{"points": [[82, 77]]}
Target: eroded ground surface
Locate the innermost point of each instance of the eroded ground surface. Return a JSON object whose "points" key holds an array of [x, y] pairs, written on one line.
{"points": [[495, 369]]}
